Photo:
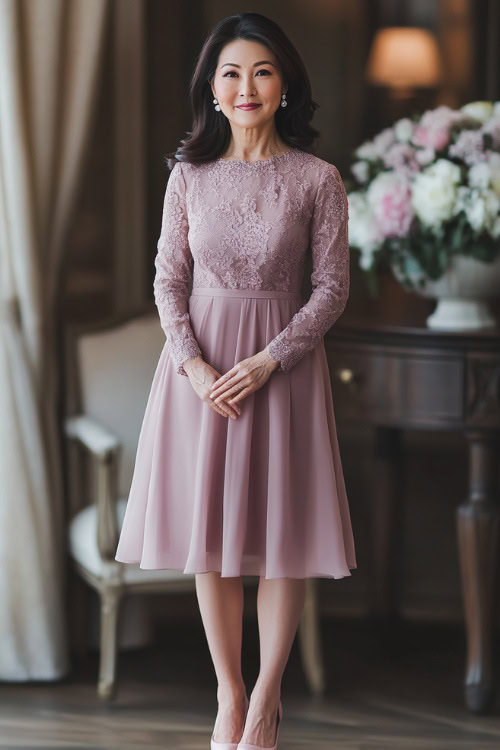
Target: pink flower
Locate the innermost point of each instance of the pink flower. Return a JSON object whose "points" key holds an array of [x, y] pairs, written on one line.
{"points": [[384, 140], [425, 156], [436, 138], [468, 147], [389, 197], [401, 157], [434, 128], [492, 127]]}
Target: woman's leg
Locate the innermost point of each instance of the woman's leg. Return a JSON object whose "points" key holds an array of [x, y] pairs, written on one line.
{"points": [[280, 602], [221, 606]]}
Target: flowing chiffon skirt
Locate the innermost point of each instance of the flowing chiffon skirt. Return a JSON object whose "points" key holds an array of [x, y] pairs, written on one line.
{"points": [[262, 494]]}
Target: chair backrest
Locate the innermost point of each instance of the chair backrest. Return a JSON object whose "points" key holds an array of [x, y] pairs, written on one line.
{"points": [[115, 367]]}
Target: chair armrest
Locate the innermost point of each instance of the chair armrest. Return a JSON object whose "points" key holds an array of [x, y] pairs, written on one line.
{"points": [[106, 447], [96, 438]]}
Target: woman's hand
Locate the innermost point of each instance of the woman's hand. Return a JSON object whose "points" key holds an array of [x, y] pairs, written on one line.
{"points": [[201, 376], [244, 378]]}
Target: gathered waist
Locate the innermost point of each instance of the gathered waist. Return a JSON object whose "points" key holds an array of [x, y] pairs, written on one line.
{"points": [[221, 292]]}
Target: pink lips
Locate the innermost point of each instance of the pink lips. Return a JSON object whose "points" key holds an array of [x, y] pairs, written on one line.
{"points": [[248, 106]]}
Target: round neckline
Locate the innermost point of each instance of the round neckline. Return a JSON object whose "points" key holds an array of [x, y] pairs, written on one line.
{"points": [[257, 161]]}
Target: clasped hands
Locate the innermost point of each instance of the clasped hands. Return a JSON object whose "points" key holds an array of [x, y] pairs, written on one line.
{"points": [[224, 392]]}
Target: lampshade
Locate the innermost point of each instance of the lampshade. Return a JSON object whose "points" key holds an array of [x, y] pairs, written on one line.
{"points": [[404, 57]]}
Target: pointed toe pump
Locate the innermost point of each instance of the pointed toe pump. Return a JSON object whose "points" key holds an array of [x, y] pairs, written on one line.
{"points": [[225, 745], [246, 746]]}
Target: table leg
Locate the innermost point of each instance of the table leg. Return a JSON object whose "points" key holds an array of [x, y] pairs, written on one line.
{"points": [[385, 524], [478, 529]]}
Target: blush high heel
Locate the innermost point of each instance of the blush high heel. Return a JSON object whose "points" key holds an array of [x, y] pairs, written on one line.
{"points": [[246, 746], [226, 745]]}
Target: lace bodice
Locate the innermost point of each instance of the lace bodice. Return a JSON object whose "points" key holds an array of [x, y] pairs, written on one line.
{"points": [[249, 225]]}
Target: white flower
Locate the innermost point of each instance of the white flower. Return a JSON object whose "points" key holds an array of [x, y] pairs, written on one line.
{"points": [[496, 109], [364, 233], [425, 156], [479, 175], [368, 151], [445, 169], [492, 202], [384, 140], [366, 258], [481, 110], [486, 174], [481, 207], [434, 192], [375, 149], [494, 165], [360, 171], [476, 213], [403, 129]]}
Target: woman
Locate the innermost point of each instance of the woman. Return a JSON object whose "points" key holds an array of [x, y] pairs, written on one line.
{"points": [[238, 469]]}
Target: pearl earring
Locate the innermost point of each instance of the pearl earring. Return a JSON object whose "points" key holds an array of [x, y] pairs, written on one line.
{"points": [[283, 102], [217, 105]]}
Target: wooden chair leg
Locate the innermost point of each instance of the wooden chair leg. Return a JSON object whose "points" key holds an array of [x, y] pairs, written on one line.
{"points": [[110, 606], [79, 601], [310, 640]]}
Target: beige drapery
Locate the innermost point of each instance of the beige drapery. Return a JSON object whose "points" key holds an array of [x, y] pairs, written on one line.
{"points": [[50, 58]]}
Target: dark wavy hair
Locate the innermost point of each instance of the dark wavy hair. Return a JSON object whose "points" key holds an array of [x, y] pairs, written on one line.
{"points": [[211, 133]]}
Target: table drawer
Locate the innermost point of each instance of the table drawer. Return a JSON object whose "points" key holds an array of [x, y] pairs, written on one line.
{"points": [[384, 386]]}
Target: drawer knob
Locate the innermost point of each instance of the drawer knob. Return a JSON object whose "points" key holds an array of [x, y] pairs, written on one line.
{"points": [[345, 375]]}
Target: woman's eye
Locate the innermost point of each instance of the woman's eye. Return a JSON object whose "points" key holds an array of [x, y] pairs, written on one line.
{"points": [[233, 71]]}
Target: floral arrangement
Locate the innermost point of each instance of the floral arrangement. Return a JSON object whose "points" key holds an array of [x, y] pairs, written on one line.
{"points": [[426, 189]]}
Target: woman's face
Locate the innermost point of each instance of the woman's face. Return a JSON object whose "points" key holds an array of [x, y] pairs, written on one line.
{"points": [[248, 72]]}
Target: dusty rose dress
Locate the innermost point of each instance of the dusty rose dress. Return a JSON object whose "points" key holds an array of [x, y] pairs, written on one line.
{"points": [[263, 494]]}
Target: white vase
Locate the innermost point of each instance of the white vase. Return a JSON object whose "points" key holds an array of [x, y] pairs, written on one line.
{"points": [[462, 294]]}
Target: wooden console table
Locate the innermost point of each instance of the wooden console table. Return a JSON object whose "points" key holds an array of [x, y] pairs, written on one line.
{"points": [[399, 378]]}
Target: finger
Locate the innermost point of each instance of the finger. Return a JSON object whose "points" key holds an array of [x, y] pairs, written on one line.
{"points": [[223, 403], [227, 389], [224, 377], [233, 410], [225, 408], [228, 394], [227, 411], [222, 388], [218, 410], [230, 410], [240, 396]]}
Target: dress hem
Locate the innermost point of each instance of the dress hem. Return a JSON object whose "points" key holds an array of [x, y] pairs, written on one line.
{"points": [[213, 569]]}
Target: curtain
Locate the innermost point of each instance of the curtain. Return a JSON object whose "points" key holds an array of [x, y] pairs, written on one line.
{"points": [[50, 58]]}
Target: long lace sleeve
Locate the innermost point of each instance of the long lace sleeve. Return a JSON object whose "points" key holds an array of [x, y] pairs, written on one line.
{"points": [[330, 275], [174, 264]]}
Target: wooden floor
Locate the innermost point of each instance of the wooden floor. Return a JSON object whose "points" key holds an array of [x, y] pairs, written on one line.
{"points": [[394, 689]]}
